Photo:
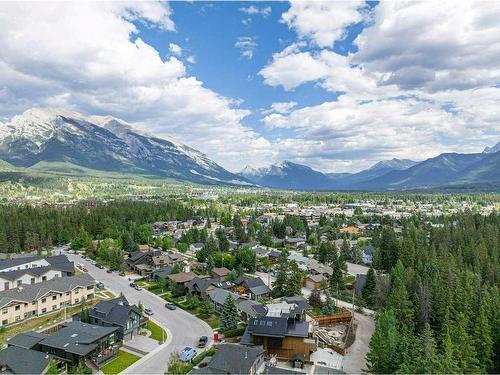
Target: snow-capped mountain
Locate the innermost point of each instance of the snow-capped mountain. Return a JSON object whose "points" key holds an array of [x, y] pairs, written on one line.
{"points": [[393, 164], [103, 143], [492, 149]]}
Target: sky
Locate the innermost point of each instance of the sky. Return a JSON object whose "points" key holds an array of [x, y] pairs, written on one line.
{"points": [[335, 85]]}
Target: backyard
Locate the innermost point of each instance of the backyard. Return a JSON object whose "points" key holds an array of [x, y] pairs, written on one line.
{"points": [[121, 362]]}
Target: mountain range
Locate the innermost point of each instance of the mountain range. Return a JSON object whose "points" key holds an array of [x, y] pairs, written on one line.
{"points": [[445, 171], [55, 140], [60, 141]]}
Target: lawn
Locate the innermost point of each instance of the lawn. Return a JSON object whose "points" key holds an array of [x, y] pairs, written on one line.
{"points": [[120, 363], [157, 333]]}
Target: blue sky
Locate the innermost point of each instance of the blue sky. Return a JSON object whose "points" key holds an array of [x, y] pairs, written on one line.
{"points": [[337, 86]]}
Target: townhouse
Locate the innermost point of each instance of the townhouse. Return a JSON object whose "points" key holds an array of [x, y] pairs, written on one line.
{"points": [[32, 300]]}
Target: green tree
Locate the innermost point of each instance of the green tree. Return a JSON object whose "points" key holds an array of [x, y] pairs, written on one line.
{"points": [[466, 355], [328, 306], [206, 309], [383, 349], [293, 286], [281, 280], [368, 291], [229, 317], [483, 340]]}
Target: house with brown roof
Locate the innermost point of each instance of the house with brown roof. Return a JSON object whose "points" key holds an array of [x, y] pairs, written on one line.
{"points": [[220, 273]]}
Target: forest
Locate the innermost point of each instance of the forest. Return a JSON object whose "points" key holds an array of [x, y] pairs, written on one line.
{"points": [[437, 297]]}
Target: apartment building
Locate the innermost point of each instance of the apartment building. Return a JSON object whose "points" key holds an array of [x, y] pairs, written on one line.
{"points": [[32, 300]]}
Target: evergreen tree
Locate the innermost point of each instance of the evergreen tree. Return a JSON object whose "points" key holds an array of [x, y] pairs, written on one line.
{"points": [[465, 355], [210, 264], [368, 291], [294, 281], [382, 356], [447, 358], [483, 341], [429, 360], [229, 317], [328, 307], [280, 283]]}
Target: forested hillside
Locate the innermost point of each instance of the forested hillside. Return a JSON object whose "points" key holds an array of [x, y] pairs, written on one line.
{"points": [[439, 303]]}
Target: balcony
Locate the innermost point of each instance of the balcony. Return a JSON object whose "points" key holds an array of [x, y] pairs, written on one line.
{"points": [[104, 355]]}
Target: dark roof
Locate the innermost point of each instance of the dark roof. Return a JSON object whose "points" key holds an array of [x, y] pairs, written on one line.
{"points": [[182, 277], [219, 295], [24, 361], [268, 326], [301, 302], [77, 337], [260, 290], [252, 308], [163, 272], [199, 284], [249, 282], [116, 311], [232, 359], [61, 262], [35, 271], [7, 263], [368, 249], [26, 340], [282, 371]]}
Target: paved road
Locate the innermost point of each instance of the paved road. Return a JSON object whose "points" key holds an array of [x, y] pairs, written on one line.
{"points": [[355, 269], [184, 329]]}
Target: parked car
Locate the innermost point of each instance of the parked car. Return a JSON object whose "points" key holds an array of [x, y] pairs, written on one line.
{"points": [[202, 342], [137, 287], [99, 285], [132, 285], [148, 311], [98, 265], [170, 306], [187, 354], [84, 269], [109, 271]]}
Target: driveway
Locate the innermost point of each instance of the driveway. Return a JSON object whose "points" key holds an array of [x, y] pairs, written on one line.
{"points": [[184, 328], [356, 269]]}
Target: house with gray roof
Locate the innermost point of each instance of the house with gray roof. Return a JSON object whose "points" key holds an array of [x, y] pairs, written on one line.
{"points": [[235, 359], [17, 360], [119, 313], [76, 341]]}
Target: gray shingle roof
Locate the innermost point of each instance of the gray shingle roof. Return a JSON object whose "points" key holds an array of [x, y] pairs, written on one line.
{"points": [[24, 361], [32, 292], [77, 337], [113, 311], [7, 263], [26, 340], [233, 359], [219, 295]]}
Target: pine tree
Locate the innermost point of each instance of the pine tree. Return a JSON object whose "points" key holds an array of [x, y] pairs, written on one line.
{"points": [[229, 317], [398, 299], [294, 281], [483, 341], [328, 307], [210, 264], [447, 357], [429, 360], [465, 355], [280, 283], [368, 291], [382, 355]]}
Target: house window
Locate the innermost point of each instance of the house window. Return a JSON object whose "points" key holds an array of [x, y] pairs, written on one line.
{"points": [[5, 322], [90, 287], [18, 307], [68, 293], [18, 318], [44, 310], [44, 278], [6, 285], [33, 303], [77, 300], [54, 298], [32, 280], [54, 307], [19, 283], [5, 311], [77, 291], [43, 300]]}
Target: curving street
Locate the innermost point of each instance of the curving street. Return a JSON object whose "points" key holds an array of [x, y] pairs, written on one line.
{"points": [[183, 328]]}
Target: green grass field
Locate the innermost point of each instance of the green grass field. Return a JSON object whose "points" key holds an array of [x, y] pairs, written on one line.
{"points": [[120, 363], [157, 333]]}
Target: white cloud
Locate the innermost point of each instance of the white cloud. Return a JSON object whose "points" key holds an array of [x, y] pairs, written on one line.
{"points": [[89, 56], [323, 22], [280, 107], [191, 59], [424, 81], [246, 45], [175, 49], [421, 45], [253, 10]]}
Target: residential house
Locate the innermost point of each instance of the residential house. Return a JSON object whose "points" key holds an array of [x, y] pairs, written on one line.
{"points": [[77, 341], [200, 286], [246, 308], [235, 359], [253, 287], [16, 360], [181, 279], [367, 253], [220, 273], [119, 313], [316, 282], [195, 247], [33, 300]]}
